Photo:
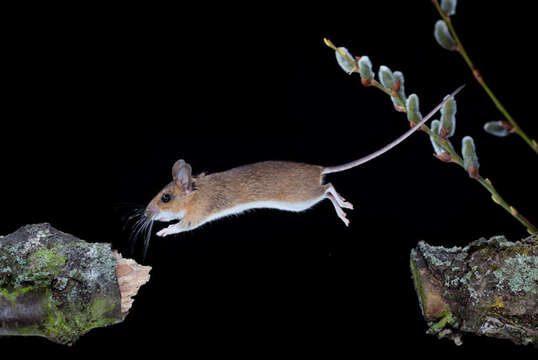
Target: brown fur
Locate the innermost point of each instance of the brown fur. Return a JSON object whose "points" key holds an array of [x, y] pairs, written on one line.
{"points": [[264, 181]]}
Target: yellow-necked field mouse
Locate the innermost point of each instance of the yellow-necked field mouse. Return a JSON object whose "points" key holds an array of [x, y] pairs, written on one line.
{"points": [[291, 186]]}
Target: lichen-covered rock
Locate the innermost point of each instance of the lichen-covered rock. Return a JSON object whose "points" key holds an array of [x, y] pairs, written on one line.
{"points": [[489, 287], [55, 285]]}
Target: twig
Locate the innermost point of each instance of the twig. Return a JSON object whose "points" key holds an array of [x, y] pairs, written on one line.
{"points": [[459, 48], [453, 156]]}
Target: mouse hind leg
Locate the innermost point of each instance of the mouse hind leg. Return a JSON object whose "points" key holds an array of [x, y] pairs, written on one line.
{"points": [[339, 199], [338, 202]]}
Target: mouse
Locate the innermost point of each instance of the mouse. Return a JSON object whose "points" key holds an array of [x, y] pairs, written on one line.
{"points": [[284, 185]]}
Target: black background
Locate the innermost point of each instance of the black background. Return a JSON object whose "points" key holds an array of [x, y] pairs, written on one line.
{"points": [[101, 101]]}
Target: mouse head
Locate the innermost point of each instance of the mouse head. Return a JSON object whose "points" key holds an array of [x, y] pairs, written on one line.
{"points": [[170, 202]]}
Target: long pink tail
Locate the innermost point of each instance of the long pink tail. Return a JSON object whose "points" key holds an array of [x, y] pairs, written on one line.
{"points": [[333, 169]]}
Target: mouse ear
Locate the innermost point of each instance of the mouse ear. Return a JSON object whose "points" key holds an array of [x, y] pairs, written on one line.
{"points": [[181, 172]]}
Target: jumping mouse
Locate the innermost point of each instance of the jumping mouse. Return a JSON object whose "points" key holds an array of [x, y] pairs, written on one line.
{"points": [[282, 185]]}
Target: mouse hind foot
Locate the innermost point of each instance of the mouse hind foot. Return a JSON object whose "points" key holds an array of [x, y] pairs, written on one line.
{"points": [[341, 214], [339, 199], [338, 202]]}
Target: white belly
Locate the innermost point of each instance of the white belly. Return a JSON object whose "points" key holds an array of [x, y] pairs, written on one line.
{"points": [[280, 205]]}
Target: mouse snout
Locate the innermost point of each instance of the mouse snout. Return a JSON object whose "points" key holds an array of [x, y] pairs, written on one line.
{"points": [[151, 211]]}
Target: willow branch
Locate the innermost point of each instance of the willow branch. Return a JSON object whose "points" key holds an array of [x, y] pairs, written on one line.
{"points": [[453, 157], [459, 48]]}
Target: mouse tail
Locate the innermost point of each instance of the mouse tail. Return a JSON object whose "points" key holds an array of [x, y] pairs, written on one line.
{"points": [[352, 164]]}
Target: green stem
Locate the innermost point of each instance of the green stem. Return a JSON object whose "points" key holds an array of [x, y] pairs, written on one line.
{"points": [[480, 80], [500, 201], [455, 158], [391, 93], [486, 183]]}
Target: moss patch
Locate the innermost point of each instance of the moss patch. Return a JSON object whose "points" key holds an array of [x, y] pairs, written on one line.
{"points": [[417, 282], [66, 324], [47, 260], [11, 296], [55, 285], [445, 319]]}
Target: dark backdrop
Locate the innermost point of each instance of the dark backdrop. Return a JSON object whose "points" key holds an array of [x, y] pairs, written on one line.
{"points": [[101, 101]]}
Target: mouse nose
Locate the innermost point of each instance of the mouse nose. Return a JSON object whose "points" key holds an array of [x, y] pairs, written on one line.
{"points": [[151, 211]]}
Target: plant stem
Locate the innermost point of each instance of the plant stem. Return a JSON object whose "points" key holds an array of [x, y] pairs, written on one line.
{"points": [[499, 200], [376, 84], [455, 158], [486, 183], [532, 143]]}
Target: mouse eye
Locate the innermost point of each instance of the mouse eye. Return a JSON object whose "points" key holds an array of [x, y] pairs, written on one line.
{"points": [[166, 198]]}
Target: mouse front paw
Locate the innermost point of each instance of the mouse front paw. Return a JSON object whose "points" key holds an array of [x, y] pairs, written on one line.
{"points": [[163, 233], [169, 230]]}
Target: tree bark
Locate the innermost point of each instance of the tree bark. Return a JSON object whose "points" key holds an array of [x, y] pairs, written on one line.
{"points": [[57, 286], [489, 287]]}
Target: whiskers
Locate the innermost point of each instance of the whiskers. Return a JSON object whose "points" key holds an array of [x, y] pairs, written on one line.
{"points": [[140, 226]]}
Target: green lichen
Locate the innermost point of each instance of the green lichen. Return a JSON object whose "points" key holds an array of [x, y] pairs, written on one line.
{"points": [[12, 295], [43, 265], [417, 281], [31, 261], [437, 255], [67, 324], [469, 280], [30, 330], [520, 273], [501, 241], [445, 318], [47, 260], [530, 340]]}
